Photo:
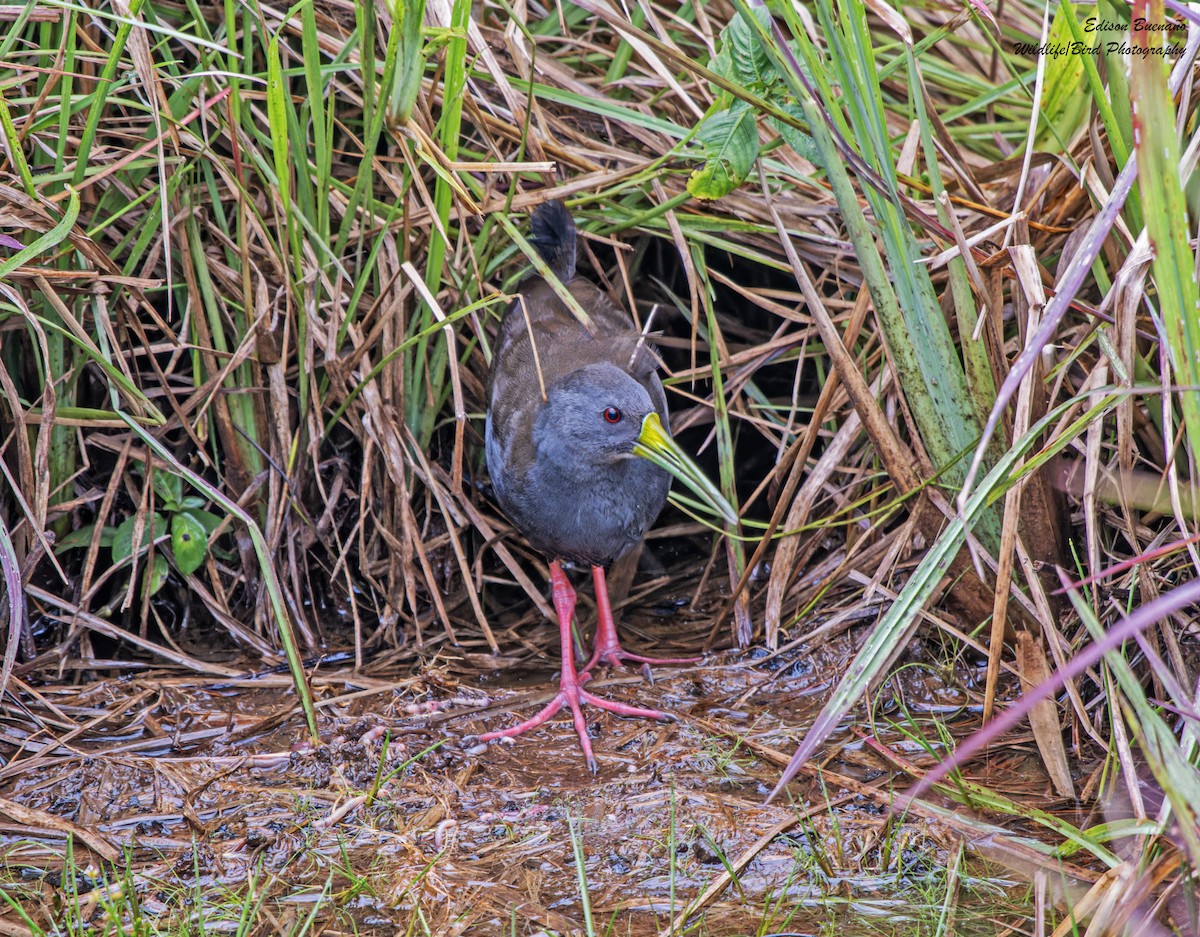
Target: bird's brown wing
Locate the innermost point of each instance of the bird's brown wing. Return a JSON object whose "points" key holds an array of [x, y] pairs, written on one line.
{"points": [[562, 343]]}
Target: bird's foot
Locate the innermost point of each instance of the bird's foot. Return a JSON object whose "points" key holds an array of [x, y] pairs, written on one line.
{"points": [[572, 694], [614, 656], [607, 649]]}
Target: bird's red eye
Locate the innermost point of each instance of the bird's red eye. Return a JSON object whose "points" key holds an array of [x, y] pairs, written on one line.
{"points": [[613, 415]]}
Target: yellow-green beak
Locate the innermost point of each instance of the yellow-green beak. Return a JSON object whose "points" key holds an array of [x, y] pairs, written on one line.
{"points": [[654, 445]]}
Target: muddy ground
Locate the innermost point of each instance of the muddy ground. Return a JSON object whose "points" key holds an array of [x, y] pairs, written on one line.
{"points": [[197, 805]]}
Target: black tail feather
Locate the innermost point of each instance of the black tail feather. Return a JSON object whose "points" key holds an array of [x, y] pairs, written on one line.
{"points": [[554, 238]]}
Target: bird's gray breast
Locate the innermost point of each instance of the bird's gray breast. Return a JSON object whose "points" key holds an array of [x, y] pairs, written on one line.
{"points": [[593, 517]]}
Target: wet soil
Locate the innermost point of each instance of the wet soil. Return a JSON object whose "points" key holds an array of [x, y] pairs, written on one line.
{"points": [[202, 801]]}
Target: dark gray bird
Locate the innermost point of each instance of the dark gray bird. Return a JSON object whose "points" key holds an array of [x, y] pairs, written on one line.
{"points": [[575, 416]]}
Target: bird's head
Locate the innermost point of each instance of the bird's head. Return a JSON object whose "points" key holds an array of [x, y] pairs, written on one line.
{"points": [[599, 415], [593, 416]]}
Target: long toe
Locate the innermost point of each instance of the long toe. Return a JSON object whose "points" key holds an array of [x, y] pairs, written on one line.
{"points": [[623, 709], [559, 701], [615, 657], [574, 697]]}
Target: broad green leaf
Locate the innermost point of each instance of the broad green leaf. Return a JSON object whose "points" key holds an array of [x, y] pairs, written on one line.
{"points": [[1065, 99], [722, 64], [799, 141], [746, 62], [83, 537], [168, 487], [159, 570], [122, 544], [208, 520], [730, 140], [189, 542]]}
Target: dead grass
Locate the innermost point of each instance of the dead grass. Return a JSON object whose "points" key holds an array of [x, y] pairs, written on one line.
{"points": [[255, 260]]}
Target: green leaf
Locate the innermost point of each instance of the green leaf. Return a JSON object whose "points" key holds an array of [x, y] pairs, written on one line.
{"points": [[189, 543], [122, 544], [743, 55], [83, 537], [722, 64], [1066, 98], [410, 62], [1167, 223], [168, 487], [277, 122], [208, 520], [798, 140], [159, 570], [730, 140], [191, 502], [45, 241]]}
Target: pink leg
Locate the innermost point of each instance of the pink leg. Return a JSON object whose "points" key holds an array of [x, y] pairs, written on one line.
{"points": [[607, 646], [570, 689]]}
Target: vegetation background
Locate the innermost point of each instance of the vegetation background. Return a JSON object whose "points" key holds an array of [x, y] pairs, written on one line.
{"points": [[928, 305]]}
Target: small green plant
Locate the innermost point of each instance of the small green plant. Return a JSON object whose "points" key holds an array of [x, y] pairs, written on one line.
{"points": [[729, 132], [184, 517], [726, 761], [577, 853]]}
